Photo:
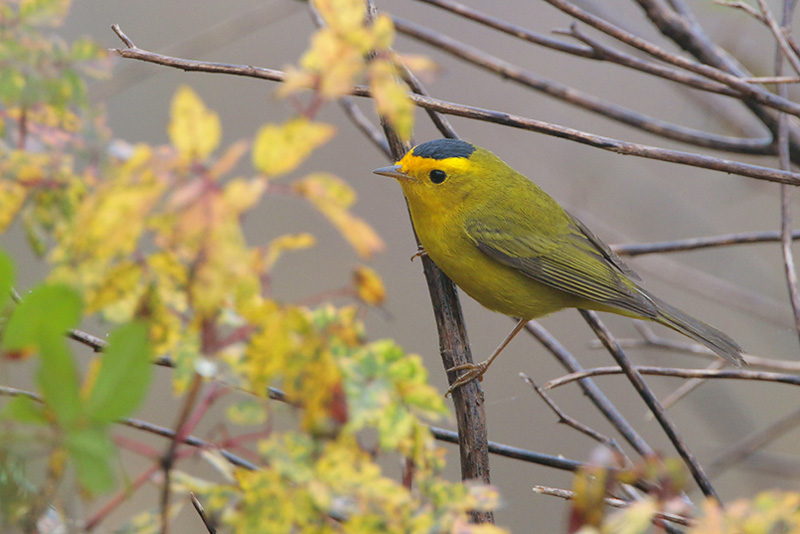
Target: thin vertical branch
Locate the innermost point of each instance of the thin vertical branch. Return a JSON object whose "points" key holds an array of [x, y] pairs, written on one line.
{"points": [[590, 389], [650, 399], [473, 437], [785, 163]]}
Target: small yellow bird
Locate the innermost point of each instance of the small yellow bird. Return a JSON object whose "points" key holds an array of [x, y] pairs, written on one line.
{"points": [[515, 250]]}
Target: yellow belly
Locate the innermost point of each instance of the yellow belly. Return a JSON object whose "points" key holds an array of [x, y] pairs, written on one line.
{"points": [[495, 286]]}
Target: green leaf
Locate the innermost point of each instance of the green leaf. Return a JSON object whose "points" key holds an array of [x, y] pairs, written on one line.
{"points": [[6, 278], [124, 374], [247, 412], [25, 410], [39, 324], [92, 450], [58, 378], [48, 308]]}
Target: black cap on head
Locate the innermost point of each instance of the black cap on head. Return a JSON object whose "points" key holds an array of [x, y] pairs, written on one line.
{"points": [[444, 148]]}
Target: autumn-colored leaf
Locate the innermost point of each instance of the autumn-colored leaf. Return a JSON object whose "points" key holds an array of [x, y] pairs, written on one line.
{"points": [[332, 196], [12, 196], [281, 244], [279, 149], [636, 518], [229, 159], [421, 65], [193, 129], [369, 286], [342, 15], [391, 97]]}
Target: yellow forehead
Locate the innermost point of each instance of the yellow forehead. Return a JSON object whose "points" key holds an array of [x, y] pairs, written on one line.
{"points": [[415, 165]]}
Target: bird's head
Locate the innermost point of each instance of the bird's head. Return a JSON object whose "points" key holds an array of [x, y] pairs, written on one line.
{"points": [[441, 174]]}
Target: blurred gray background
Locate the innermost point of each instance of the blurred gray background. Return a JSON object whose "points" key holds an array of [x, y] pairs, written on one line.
{"points": [[623, 199]]}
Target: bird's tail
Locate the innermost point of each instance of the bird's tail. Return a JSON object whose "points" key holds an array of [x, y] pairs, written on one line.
{"points": [[706, 334]]}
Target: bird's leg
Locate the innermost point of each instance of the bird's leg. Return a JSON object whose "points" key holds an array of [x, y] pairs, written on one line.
{"points": [[477, 370], [419, 253]]}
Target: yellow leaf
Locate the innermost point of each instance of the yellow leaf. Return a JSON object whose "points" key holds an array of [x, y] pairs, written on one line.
{"points": [[281, 244], [369, 286], [229, 159], [12, 196], [634, 519], [391, 98], [240, 194], [382, 32], [296, 79], [341, 15], [420, 65], [332, 196], [335, 62], [193, 129], [326, 188], [280, 149]]}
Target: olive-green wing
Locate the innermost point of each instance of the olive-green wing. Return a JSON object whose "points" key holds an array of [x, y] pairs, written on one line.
{"points": [[572, 260]]}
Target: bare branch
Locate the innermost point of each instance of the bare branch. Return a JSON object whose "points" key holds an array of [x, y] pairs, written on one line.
{"points": [[590, 389], [580, 98], [752, 443], [757, 94], [510, 29], [497, 117], [652, 403], [565, 419], [557, 462], [780, 38], [694, 243], [202, 513], [369, 130], [612, 501], [730, 374], [784, 156]]}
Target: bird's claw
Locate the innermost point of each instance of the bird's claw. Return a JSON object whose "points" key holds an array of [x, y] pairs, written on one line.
{"points": [[473, 371], [419, 253]]}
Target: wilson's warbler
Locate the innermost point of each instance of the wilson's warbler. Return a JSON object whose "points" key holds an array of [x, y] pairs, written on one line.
{"points": [[515, 250]]}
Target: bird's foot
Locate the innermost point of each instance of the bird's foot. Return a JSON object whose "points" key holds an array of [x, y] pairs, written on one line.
{"points": [[419, 253], [473, 371]]}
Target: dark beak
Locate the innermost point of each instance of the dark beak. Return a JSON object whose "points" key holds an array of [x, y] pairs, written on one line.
{"points": [[392, 171]]}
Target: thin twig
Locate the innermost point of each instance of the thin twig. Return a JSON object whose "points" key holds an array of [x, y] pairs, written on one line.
{"points": [[754, 92], [507, 451], [590, 389], [784, 155], [752, 443], [497, 117], [772, 79], [438, 119], [519, 32], [454, 346], [744, 6], [652, 403], [361, 121], [581, 99], [726, 374], [685, 389], [780, 38], [612, 501], [694, 243], [565, 419], [675, 20], [167, 461], [689, 347], [94, 342], [202, 513]]}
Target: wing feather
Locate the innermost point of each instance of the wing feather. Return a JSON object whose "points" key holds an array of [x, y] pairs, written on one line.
{"points": [[575, 261]]}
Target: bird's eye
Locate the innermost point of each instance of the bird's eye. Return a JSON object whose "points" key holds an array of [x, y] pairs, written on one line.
{"points": [[438, 176]]}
